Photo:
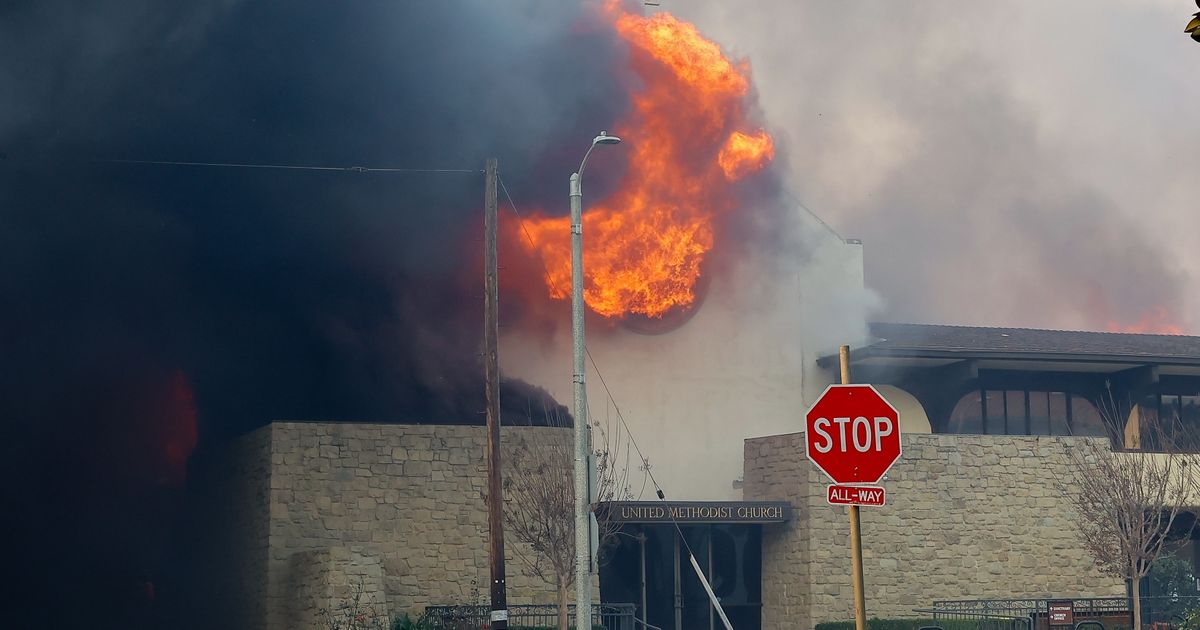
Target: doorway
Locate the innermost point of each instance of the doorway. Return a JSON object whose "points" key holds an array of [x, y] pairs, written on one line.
{"points": [[651, 567]]}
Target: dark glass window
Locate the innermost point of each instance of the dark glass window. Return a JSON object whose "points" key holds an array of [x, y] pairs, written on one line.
{"points": [[967, 416], [995, 412], [1016, 412], [1039, 413], [1020, 412], [1058, 414], [1086, 418], [1190, 410]]}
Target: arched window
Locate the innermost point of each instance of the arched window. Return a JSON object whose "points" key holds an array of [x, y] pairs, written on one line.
{"points": [[967, 416], [1025, 412]]}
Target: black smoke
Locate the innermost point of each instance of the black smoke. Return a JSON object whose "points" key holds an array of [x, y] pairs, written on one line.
{"points": [[145, 307]]}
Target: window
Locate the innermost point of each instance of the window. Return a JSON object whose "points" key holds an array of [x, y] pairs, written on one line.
{"points": [[994, 409], [1039, 413], [1190, 410], [1015, 407], [1059, 414], [1024, 412], [1179, 420], [1085, 418], [967, 416]]}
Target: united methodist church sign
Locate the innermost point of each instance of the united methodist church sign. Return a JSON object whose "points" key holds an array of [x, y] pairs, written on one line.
{"points": [[695, 511]]}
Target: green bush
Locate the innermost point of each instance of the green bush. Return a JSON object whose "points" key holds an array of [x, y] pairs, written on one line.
{"points": [[902, 624], [404, 622]]}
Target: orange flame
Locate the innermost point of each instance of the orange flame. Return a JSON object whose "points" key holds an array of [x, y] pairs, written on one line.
{"points": [[1157, 321], [688, 142], [744, 154]]}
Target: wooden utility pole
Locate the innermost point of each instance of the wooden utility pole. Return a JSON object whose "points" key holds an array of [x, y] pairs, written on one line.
{"points": [[856, 566], [491, 333]]}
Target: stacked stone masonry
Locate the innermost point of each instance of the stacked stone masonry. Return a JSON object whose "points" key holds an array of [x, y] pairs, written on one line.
{"points": [[967, 517], [410, 495], [320, 507]]}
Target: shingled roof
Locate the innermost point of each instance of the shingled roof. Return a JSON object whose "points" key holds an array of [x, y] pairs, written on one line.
{"points": [[928, 340]]}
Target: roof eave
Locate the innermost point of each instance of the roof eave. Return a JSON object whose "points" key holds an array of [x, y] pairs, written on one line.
{"points": [[960, 354]]}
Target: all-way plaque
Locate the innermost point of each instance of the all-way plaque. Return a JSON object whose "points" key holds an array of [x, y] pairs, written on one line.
{"points": [[854, 495]]}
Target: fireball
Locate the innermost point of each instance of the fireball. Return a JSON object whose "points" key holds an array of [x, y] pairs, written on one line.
{"points": [[689, 143]]}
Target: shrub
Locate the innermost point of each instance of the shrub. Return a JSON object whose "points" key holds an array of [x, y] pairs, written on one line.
{"points": [[405, 622], [902, 624]]}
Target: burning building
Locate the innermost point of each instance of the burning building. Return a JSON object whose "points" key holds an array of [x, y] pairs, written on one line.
{"points": [[196, 309]]}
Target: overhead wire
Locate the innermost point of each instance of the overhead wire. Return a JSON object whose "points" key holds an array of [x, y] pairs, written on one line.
{"points": [[295, 167]]}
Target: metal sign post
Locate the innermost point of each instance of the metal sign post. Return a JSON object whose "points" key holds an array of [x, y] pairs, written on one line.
{"points": [[860, 601]]}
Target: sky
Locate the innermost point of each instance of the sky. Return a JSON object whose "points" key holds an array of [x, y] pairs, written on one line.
{"points": [[1017, 163]]}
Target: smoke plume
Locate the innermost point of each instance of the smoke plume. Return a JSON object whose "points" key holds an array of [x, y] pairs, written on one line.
{"points": [[1004, 163], [151, 308]]}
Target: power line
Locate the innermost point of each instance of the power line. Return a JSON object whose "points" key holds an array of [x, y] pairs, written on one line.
{"points": [[297, 167]]}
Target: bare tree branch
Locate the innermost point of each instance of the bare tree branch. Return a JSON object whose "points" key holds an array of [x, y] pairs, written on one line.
{"points": [[539, 506], [1127, 502]]}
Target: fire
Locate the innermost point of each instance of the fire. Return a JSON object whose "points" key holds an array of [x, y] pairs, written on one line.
{"points": [[744, 154], [1157, 321], [178, 427], [688, 143]]}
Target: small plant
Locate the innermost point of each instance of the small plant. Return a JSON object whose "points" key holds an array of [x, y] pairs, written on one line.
{"points": [[1190, 620], [405, 622], [354, 613]]}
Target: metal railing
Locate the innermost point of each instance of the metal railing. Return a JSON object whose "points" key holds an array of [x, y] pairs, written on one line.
{"points": [[983, 618], [604, 617], [1030, 613]]}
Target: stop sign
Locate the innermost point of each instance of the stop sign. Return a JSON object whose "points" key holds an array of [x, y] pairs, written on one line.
{"points": [[852, 433]]}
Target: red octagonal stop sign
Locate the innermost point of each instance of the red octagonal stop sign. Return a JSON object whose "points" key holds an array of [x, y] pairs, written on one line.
{"points": [[852, 433]]}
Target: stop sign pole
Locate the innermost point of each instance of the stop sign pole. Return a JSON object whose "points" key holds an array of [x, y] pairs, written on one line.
{"points": [[856, 565], [852, 433]]}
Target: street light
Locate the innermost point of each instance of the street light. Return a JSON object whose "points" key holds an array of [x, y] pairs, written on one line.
{"points": [[583, 582]]}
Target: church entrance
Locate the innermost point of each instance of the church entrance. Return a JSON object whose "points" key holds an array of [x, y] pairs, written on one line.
{"points": [[650, 564]]}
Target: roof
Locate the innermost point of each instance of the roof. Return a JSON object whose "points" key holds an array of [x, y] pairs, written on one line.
{"points": [[964, 342]]}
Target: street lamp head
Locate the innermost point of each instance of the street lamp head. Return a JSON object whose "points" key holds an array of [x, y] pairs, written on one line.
{"points": [[604, 138]]}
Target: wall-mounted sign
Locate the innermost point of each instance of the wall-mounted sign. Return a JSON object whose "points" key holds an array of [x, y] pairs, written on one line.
{"points": [[695, 511], [1061, 613]]}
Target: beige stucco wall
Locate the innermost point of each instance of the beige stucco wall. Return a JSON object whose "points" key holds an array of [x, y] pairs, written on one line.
{"points": [[913, 418], [966, 517], [744, 365]]}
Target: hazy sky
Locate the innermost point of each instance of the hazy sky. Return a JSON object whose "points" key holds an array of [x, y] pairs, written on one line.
{"points": [[1006, 163]]}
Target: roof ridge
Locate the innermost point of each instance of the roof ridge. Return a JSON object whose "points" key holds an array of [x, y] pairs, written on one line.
{"points": [[1053, 330]]}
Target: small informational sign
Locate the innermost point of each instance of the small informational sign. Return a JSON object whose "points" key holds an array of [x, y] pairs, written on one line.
{"points": [[854, 495], [1061, 613]]}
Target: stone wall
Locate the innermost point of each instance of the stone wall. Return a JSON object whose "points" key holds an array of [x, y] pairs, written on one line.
{"points": [[967, 517], [335, 586], [410, 496]]}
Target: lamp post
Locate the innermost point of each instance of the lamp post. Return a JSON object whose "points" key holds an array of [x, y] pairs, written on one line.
{"points": [[583, 582]]}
